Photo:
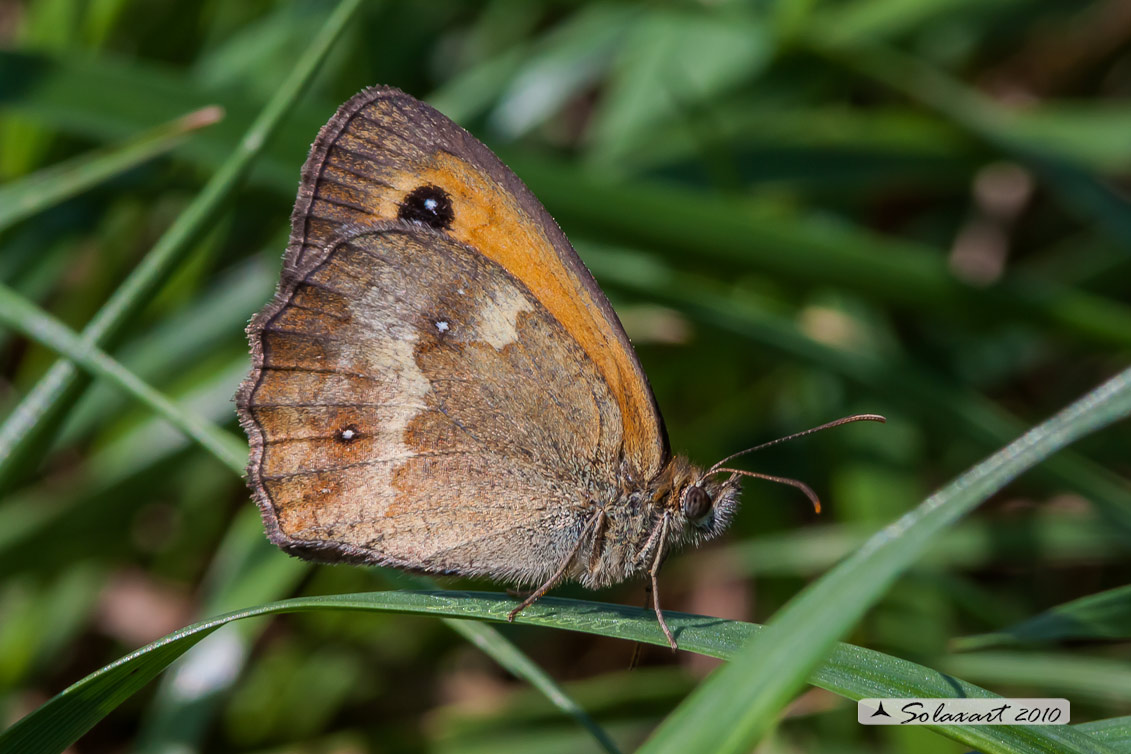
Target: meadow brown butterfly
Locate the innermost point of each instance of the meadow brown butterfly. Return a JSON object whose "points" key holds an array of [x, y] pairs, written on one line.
{"points": [[440, 385]]}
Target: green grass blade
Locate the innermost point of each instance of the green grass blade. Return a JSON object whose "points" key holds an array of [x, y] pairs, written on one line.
{"points": [[179, 342], [24, 432], [24, 316], [23, 198], [1105, 615], [883, 19], [744, 698], [510, 658], [1102, 680], [245, 570], [498, 647], [853, 672], [1061, 541], [1114, 731]]}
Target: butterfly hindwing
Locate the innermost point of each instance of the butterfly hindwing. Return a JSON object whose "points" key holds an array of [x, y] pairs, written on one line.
{"points": [[414, 404]]}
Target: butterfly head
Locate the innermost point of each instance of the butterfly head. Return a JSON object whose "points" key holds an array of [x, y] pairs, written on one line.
{"points": [[709, 499], [707, 505]]}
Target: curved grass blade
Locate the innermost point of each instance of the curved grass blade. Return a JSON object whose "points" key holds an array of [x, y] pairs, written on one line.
{"points": [[244, 570], [744, 698], [24, 433], [23, 198], [503, 651], [850, 671], [1105, 615]]}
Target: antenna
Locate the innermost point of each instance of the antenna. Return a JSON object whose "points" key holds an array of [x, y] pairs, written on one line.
{"points": [[809, 493]]}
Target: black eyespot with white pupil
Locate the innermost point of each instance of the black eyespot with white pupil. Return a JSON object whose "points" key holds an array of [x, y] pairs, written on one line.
{"points": [[696, 503], [428, 205], [347, 434]]}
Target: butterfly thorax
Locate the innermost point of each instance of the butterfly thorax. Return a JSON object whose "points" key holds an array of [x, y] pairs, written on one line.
{"points": [[645, 520]]}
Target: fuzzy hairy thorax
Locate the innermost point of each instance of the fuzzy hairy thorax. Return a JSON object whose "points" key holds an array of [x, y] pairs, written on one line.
{"points": [[648, 521]]}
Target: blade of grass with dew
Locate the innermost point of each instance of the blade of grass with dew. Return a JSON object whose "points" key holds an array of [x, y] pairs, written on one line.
{"points": [[1104, 615], [849, 671], [744, 698], [24, 433], [249, 570], [23, 198], [245, 570], [33, 322]]}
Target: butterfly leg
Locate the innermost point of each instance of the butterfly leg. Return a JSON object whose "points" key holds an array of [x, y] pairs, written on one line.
{"points": [[596, 521], [654, 572], [638, 647]]}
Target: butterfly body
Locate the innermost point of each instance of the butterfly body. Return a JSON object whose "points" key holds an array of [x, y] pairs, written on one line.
{"points": [[439, 384]]}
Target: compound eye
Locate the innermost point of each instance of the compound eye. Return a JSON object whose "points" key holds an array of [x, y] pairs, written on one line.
{"points": [[696, 503]]}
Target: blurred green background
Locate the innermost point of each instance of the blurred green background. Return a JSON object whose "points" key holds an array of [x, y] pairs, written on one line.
{"points": [[800, 209]]}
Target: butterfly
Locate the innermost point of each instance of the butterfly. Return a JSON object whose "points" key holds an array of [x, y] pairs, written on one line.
{"points": [[440, 385]]}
